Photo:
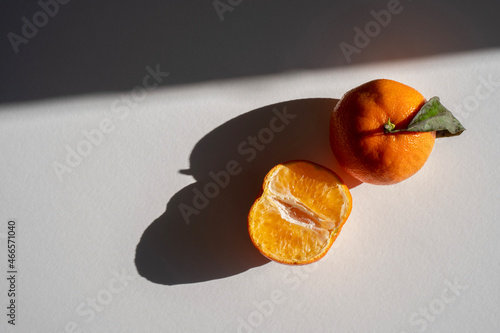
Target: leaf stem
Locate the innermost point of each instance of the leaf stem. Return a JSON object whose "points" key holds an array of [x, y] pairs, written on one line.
{"points": [[389, 127]]}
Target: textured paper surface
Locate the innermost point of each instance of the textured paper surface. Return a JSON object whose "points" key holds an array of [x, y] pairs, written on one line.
{"points": [[427, 245]]}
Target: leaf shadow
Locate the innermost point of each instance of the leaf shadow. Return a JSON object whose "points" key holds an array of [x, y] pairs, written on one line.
{"points": [[198, 239]]}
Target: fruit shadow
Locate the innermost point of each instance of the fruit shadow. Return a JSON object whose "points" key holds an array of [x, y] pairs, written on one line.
{"points": [[203, 233]]}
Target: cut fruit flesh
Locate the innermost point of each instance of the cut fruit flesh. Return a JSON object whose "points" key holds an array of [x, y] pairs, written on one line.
{"points": [[300, 212]]}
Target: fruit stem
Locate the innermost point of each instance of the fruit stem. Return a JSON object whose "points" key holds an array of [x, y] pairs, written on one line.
{"points": [[389, 126]]}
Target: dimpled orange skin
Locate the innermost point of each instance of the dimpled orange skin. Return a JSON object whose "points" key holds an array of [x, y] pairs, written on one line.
{"points": [[357, 133]]}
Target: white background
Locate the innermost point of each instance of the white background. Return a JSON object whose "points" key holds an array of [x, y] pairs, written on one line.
{"points": [[422, 255]]}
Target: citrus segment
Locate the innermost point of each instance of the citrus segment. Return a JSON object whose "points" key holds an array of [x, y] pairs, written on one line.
{"points": [[300, 212]]}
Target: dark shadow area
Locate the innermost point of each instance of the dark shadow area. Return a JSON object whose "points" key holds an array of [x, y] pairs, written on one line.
{"points": [[93, 46], [210, 239]]}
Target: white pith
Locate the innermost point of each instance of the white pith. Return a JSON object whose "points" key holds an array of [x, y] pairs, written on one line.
{"points": [[285, 203]]}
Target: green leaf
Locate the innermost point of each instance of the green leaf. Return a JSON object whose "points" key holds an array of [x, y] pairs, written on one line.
{"points": [[433, 116]]}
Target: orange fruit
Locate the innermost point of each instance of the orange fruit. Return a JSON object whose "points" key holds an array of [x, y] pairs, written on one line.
{"points": [[358, 139], [300, 212]]}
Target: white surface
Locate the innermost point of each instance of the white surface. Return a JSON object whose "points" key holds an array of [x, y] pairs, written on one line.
{"points": [[399, 250]]}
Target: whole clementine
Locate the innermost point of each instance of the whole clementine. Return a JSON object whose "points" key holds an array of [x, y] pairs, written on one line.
{"points": [[359, 141]]}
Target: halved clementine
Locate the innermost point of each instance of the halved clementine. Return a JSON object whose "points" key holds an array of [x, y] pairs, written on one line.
{"points": [[299, 213]]}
